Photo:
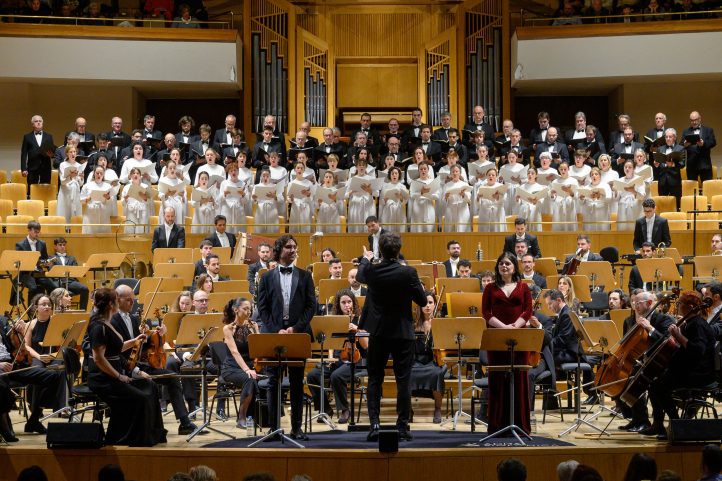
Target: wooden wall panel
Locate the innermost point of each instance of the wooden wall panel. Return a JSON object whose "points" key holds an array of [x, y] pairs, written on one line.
{"points": [[368, 85]]}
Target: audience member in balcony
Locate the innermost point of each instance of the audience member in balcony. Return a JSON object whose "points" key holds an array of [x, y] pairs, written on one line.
{"points": [[36, 8], [628, 11], [596, 13], [159, 8], [687, 8], [567, 15], [65, 13], [653, 11], [185, 20], [94, 17], [198, 11], [35, 154]]}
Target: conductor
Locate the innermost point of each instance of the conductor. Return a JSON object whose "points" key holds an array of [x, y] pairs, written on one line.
{"points": [[392, 288], [286, 304]]}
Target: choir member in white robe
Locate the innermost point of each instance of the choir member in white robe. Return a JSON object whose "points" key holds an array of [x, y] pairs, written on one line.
{"points": [[71, 180], [206, 209], [513, 175], [422, 214], [393, 200], [363, 154], [176, 196], [483, 161], [532, 211], [546, 174], [327, 216], [640, 168], [332, 162], [412, 171], [265, 218], [389, 161], [580, 170], [301, 212], [137, 213], [150, 176], [279, 175], [246, 176], [564, 207], [234, 198], [110, 177], [609, 175], [457, 197], [361, 202], [491, 212], [97, 211], [595, 208], [629, 200], [308, 173], [216, 172]]}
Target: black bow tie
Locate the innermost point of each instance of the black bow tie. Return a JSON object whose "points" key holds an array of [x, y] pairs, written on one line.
{"points": [[266, 144], [627, 145], [205, 142], [228, 132], [286, 270], [39, 133], [424, 143]]}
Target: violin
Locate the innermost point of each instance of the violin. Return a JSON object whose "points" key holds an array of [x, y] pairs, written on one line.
{"points": [[19, 354], [439, 354], [349, 347], [155, 353]]}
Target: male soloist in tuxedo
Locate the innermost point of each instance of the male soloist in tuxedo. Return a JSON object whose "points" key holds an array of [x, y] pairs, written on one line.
{"points": [[392, 288], [659, 231], [35, 154], [128, 325], [521, 234], [699, 162], [286, 305], [169, 234]]}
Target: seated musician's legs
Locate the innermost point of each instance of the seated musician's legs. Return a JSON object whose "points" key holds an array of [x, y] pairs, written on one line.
{"points": [[173, 364], [175, 393], [339, 380], [48, 391], [6, 403], [76, 288], [313, 379]]}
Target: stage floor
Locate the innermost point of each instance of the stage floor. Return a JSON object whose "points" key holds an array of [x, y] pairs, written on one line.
{"points": [[609, 454]]}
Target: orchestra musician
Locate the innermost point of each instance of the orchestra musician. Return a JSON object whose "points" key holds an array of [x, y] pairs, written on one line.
{"points": [[135, 417], [62, 258], [651, 228], [33, 243], [426, 375], [521, 233], [584, 252], [716, 243]]}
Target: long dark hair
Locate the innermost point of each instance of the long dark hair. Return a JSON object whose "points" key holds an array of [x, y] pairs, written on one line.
{"points": [[641, 466], [419, 311], [515, 277], [103, 300], [336, 309]]}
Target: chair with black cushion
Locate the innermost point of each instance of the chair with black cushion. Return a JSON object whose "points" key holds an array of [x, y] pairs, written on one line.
{"points": [[598, 305], [610, 254], [80, 394], [128, 281], [544, 382], [569, 370], [224, 389]]}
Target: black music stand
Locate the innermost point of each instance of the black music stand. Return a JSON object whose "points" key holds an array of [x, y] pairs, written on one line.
{"points": [[512, 341], [279, 350], [326, 330], [18, 261]]}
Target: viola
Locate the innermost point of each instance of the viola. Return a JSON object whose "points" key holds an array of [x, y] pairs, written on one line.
{"points": [[574, 263], [155, 353], [20, 355], [350, 347]]}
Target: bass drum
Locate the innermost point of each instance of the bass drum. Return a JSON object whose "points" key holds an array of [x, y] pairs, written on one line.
{"points": [[126, 270]]}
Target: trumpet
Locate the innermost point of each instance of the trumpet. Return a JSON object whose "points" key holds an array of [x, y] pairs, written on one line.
{"points": [[661, 250]]}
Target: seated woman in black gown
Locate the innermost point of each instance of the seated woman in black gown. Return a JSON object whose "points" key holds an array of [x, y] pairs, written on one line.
{"points": [[237, 367], [426, 375], [135, 416]]}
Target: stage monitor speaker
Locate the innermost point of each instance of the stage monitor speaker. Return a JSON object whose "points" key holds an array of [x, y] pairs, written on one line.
{"points": [[388, 441], [681, 430], [75, 435]]}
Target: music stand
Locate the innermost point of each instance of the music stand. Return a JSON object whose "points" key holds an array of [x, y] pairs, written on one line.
{"points": [[511, 341], [658, 270], [457, 334], [172, 322], [237, 272], [103, 262], [172, 255], [58, 271], [149, 285], [599, 273], [60, 326], [326, 330], [17, 262], [327, 289], [546, 266], [461, 304], [184, 271], [580, 284], [708, 268], [279, 350]]}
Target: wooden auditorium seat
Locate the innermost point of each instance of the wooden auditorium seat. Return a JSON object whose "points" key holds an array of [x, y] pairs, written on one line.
{"points": [[44, 192], [16, 177], [3, 176], [21, 224], [687, 203], [677, 220], [711, 188], [33, 208], [13, 191], [6, 208], [52, 207], [665, 203], [705, 221], [52, 224], [688, 187]]}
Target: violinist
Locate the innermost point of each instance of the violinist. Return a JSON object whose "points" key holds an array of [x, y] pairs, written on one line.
{"points": [[238, 366], [656, 324], [339, 374], [135, 417], [584, 253], [691, 366], [426, 375], [48, 385], [61, 299], [33, 243], [713, 292], [129, 328]]}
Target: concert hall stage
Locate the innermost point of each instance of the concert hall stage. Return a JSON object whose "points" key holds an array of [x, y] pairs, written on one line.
{"points": [[609, 455]]}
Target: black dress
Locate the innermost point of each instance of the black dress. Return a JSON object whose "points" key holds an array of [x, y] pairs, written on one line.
{"points": [[51, 396], [135, 416], [426, 376], [232, 372]]}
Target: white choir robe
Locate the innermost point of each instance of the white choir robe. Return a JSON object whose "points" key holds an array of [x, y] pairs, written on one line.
{"points": [[246, 176], [131, 163], [607, 178], [547, 207], [630, 207], [488, 210], [266, 213], [457, 215], [69, 193], [301, 209], [393, 211], [422, 214], [215, 169], [328, 219], [596, 210], [564, 209], [96, 212], [205, 214], [531, 212], [517, 170], [360, 205], [137, 213], [234, 206], [177, 201]]}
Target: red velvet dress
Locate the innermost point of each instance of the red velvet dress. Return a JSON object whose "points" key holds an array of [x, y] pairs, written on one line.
{"points": [[495, 303]]}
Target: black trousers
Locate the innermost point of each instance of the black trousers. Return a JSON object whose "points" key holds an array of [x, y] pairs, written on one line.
{"points": [[402, 352], [673, 190], [175, 391], [295, 378], [694, 171], [76, 288], [40, 285], [48, 387], [40, 176]]}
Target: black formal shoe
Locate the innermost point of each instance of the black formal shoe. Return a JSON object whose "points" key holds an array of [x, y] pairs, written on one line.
{"points": [[373, 434], [299, 435], [637, 428], [343, 417], [662, 436], [184, 429], [593, 399], [653, 430], [6, 431], [404, 434], [626, 427], [411, 416], [35, 426], [221, 413]]}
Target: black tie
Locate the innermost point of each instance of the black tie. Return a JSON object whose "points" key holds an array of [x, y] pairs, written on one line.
{"points": [[627, 145], [286, 270]]}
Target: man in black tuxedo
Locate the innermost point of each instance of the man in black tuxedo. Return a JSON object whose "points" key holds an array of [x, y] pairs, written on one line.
{"points": [[411, 136], [430, 148], [659, 227], [552, 145], [660, 119], [516, 144], [389, 321], [669, 174], [713, 291], [149, 130], [699, 162], [617, 136], [286, 304], [311, 141], [565, 342], [521, 234], [326, 148], [539, 135], [584, 251], [219, 237], [527, 271], [622, 150], [224, 135], [160, 155], [477, 123], [128, 326], [186, 135], [81, 129], [635, 278], [265, 147], [63, 259], [278, 136], [206, 247], [36, 154], [264, 258], [452, 263], [456, 146], [119, 139], [32, 242], [373, 138], [169, 234], [375, 232], [442, 133]]}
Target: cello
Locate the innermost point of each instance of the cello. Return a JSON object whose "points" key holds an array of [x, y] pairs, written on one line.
{"points": [[613, 374]]}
